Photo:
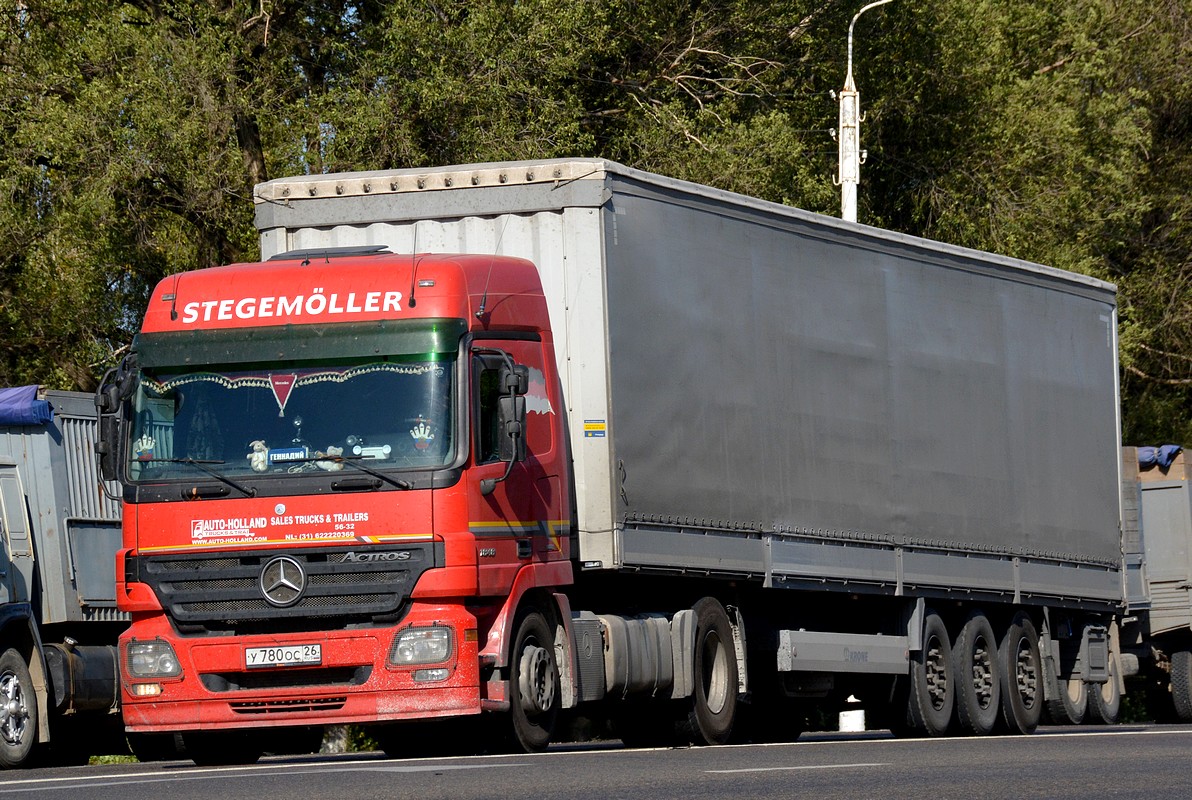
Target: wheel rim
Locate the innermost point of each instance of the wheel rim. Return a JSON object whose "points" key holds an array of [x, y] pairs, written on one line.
{"points": [[1026, 675], [983, 672], [935, 673], [715, 673], [536, 680], [14, 713], [1075, 688]]}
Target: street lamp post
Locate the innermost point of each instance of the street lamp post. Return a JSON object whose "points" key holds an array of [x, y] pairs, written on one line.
{"points": [[849, 139]]}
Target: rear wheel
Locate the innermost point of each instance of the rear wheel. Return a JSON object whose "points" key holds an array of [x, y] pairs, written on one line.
{"points": [[931, 693], [534, 693], [1105, 700], [1071, 701], [1181, 684], [1022, 676], [978, 676], [18, 711], [714, 702]]}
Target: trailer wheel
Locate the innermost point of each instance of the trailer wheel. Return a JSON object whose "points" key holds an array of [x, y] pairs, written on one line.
{"points": [[1071, 702], [1022, 676], [714, 705], [18, 711], [1105, 700], [931, 693], [222, 748], [978, 676], [1181, 684], [534, 692]]}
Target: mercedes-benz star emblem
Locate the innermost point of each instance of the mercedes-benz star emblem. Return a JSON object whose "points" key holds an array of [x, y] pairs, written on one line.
{"points": [[282, 581]]}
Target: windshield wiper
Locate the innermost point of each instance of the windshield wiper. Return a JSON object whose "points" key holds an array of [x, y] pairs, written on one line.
{"points": [[354, 461], [201, 466]]}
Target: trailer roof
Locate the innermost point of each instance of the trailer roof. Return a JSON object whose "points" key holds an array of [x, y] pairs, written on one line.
{"points": [[553, 184]]}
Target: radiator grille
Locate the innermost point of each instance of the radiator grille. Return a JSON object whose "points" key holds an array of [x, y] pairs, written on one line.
{"points": [[222, 594]]}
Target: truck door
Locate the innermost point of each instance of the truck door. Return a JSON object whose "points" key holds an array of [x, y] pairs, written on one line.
{"points": [[521, 521], [14, 538]]}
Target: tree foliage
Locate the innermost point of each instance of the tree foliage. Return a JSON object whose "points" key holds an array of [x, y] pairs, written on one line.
{"points": [[132, 133]]}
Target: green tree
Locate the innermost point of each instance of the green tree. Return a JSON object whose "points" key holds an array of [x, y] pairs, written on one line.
{"points": [[131, 134]]}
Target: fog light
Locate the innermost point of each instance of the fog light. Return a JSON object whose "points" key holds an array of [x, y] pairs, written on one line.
{"points": [[435, 674], [146, 689], [421, 646]]}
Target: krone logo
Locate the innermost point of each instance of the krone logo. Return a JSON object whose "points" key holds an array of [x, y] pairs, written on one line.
{"points": [[282, 581]]}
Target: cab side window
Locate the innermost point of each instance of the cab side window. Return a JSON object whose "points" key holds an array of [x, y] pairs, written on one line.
{"points": [[487, 392]]}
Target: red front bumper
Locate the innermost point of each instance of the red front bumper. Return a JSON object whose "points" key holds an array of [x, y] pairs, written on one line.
{"points": [[353, 684]]}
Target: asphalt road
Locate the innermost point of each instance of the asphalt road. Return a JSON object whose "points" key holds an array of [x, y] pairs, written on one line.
{"points": [[1128, 761]]}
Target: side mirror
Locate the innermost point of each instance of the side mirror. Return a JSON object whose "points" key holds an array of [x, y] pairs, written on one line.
{"points": [[105, 446], [511, 422], [511, 419], [515, 381]]}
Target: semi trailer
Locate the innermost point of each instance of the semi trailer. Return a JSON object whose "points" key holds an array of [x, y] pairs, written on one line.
{"points": [[490, 443]]}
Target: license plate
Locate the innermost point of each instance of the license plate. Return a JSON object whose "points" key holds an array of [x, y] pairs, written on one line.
{"points": [[288, 656]]}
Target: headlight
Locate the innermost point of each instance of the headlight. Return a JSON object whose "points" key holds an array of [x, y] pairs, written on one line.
{"points": [[421, 646], [153, 659]]}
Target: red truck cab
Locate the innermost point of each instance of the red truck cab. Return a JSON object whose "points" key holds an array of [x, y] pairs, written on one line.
{"points": [[345, 497]]}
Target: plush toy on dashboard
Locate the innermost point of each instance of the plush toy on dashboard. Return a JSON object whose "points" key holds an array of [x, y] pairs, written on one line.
{"points": [[333, 452], [143, 448], [258, 459]]}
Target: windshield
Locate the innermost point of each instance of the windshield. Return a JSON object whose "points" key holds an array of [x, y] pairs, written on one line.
{"points": [[393, 414]]}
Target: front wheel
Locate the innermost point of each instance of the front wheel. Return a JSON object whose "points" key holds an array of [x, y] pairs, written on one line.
{"points": [[534, 692], [18, 711]]}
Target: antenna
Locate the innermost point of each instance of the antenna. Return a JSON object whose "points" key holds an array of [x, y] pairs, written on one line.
{"points": [[174, 299], [484, 298]]}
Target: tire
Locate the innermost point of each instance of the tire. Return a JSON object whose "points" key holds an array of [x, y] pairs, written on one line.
{"points": [[931, 685], [1105, 699], [714, 703], [18, 711], [978, 676], [222, 748], [1181, 684], [1070, 703], [1022, 676], [534, 692]]}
